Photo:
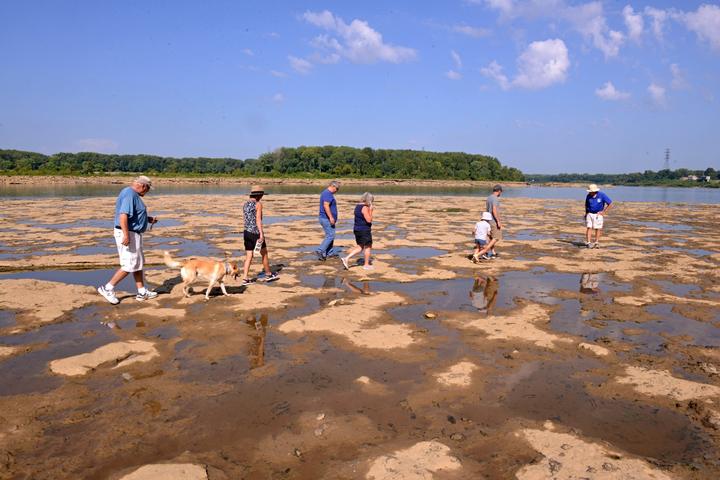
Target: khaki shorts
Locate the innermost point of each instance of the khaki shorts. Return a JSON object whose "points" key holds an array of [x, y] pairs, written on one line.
{"points": [[131, 255], [495, 232], [594, 221]]}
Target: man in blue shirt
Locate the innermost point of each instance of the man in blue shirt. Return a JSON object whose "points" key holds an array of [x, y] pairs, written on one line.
{"points": [[597, 205], [131, 221], [328, 216]]}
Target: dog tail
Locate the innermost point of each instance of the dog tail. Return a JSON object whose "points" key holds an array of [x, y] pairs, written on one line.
{"points": [[169, 261]]}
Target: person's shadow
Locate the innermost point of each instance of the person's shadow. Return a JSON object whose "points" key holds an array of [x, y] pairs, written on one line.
{"points": [[572, 242]]}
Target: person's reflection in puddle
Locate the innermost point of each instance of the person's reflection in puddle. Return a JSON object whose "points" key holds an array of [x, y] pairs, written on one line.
{"points": [[484, 293], [257, 348], [590, 283], [365, 290]]}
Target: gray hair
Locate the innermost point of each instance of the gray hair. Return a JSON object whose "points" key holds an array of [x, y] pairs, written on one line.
{"points": [[367, 198], [335, 184]]}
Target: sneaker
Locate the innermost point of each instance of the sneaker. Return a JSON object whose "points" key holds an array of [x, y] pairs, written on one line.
{"points": [[148, 295], [589, 244], [321, 257], [368, 267], [484, 257], [596, 245], [345, 263], [246, 282], [108, 294], [272, 277]]}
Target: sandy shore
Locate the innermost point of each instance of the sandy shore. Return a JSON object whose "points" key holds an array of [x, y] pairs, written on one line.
{"points": [[553, 361]]}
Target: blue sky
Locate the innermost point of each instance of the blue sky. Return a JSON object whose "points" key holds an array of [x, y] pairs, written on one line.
{"points": [[543, 85]]}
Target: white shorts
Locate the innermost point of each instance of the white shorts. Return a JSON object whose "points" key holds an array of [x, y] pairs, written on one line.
{"points": [[131, 255], [594, 221]]}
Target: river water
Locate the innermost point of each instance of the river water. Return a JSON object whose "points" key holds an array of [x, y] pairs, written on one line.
{"points": [[626, 194]]}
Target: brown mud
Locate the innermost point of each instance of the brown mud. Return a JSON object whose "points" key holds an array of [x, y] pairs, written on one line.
{"points": [[552, 361]]}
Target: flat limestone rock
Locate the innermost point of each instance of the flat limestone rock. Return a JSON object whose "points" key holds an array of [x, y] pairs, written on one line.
{"points": [[7, 351], [168, 471], [568, 457], [45, 301], [660, 383], [519, 324], [458, 375], [124, 353], [596, 349], [357, 322], [418, 462]]}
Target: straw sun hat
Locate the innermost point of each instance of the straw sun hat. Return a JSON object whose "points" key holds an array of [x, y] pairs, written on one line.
{"points": [[593, 188]]}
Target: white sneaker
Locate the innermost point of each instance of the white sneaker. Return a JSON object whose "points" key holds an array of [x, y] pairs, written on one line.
{"points": [[368, 267], [148, 295], [108, 294], [345, 263]]}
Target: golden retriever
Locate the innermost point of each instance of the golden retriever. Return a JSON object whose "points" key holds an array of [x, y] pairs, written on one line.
{"points": [[211, 270]]}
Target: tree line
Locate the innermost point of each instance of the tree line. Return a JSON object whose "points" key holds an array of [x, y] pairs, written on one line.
{"points": [[305, 161], [680, 176]]}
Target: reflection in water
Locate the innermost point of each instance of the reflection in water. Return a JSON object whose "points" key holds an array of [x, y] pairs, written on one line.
{"points": [[590, 283], [365, 290], [257, 348], [484, 293]]}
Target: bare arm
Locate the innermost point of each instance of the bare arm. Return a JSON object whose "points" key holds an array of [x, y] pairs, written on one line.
{"points": [[326, 206], [125, 229], [258, 219], [496, 215], [367, 212], [607, 208]]}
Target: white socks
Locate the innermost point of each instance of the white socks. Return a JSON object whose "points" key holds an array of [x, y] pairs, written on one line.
{"points": [[142, 290], [109, 287]]}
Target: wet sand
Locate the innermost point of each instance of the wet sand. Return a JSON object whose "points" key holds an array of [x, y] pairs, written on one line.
{"points": [[552, 361]]}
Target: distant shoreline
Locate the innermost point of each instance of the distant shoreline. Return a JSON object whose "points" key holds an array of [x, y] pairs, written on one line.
{"points": [[210, 180], [230, 180]]}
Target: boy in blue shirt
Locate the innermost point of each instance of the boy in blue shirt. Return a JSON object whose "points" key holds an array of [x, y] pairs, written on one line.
{"points": [[597, 205]]}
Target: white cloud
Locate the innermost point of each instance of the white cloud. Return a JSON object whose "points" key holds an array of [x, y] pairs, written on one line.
{"points": [[678, 77], [357, 41], [588, 19], [541, 65], [634, 23], [277, 73], [101, 145], [278, 98], [248, 52], [505, 6], [494, 71], [609, 92], [453, 75], [300, 65], [456, 58], [657, 94], [658, 17], [475, 32], [705, 22]]}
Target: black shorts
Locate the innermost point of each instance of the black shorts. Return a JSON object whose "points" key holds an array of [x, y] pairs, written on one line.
{"points": [[363, 237], [251, 239]]}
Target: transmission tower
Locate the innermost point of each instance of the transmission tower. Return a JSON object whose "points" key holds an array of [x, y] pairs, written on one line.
{"points": [[667, 159]]}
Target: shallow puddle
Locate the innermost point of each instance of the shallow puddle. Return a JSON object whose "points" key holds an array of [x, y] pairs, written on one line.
{"points": [[413, 253], [554, 391]]}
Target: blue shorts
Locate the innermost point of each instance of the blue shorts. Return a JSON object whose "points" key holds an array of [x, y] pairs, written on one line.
{"points": [[480, 243]]}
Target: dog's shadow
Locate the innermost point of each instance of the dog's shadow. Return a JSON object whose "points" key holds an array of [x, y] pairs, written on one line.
{"points": [[168, 285]]}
